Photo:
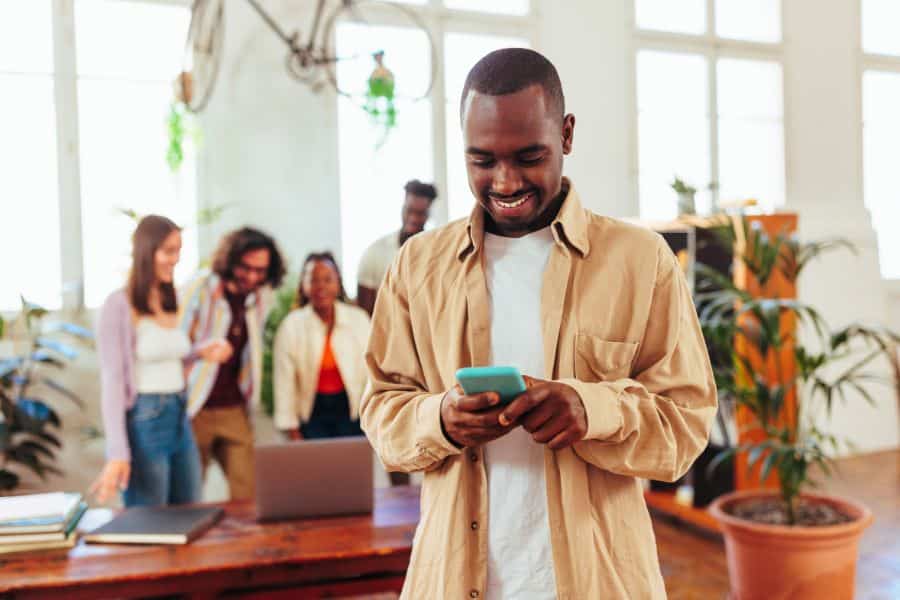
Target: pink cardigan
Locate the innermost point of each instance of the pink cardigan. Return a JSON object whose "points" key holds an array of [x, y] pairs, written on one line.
{"points": [[116, 354]]}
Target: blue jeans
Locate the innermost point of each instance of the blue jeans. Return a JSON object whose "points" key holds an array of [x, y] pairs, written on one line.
{"points": [[165, 463]]}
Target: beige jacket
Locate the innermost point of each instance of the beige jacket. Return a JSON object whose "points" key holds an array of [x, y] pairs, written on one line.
{"points": [[297, 358], [619, 326]]}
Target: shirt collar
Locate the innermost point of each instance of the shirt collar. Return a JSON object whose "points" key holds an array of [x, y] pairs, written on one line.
{"points": [[569, 227]]}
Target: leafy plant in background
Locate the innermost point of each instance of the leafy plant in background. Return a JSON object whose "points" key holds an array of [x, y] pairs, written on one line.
{"points": [[831, 366], [179, 123], [285, 301], [28, 424]]}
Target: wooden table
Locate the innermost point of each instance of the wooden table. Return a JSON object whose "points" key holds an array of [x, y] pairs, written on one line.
{"points": [[307, 558]]}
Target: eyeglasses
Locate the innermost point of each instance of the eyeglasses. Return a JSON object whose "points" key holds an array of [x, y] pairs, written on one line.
{"points": [[246, 269]]}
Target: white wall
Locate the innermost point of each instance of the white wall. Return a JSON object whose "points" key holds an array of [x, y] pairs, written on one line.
{"points": [[270, 143], [272, 149]]}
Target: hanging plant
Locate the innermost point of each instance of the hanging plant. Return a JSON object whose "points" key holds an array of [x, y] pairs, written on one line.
{"points": [[176, 128], [380, 98]]}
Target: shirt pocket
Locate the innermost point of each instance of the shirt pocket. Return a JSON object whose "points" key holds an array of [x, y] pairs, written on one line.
{"points": [[597, 359]]}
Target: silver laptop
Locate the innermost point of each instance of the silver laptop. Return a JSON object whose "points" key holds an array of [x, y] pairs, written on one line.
{"points": [[314, 478]]}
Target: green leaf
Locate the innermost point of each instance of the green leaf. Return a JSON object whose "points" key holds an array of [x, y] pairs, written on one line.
{"points": [[58, 347], [768, 463], [57, 387], [70, 328], [722, 457]]}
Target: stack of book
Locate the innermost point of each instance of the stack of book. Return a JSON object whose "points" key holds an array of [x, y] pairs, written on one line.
{"points": [[39, 521]]}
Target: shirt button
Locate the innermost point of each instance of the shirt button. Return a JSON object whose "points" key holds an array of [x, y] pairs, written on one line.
{"points": [[473, 594], [474, 526], [473, 456]]}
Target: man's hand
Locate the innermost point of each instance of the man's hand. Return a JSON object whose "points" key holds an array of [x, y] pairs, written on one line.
{"points": [[472, 420], [551, 412], [217, 351]]}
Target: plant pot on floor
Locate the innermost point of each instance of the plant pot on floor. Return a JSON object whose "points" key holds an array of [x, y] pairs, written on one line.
{"points": [[773, 562]]}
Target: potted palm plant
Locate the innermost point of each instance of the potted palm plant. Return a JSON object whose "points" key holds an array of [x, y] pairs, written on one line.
{"points": [[786, 542], [29, 426]]}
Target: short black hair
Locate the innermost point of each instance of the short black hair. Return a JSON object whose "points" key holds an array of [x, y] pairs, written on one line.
{"points": [[419, 188], [511, 70]]}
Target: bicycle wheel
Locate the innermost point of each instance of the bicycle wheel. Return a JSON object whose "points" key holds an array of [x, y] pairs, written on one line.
{"points": [[394, 20], [202, 53]]}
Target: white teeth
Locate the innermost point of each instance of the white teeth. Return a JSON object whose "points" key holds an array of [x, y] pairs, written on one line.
{"points": [[518, 202]]}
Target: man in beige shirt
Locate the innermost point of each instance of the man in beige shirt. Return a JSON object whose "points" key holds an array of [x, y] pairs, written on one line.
{"points": [[626, 389]]}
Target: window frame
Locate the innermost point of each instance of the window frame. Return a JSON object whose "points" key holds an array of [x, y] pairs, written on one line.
{"points": [[64, 75], [879, 63], [440, 21], [711, 47], [436, 16]]}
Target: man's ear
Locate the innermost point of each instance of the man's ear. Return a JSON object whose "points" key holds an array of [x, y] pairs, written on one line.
{"points": [[568, 132]]}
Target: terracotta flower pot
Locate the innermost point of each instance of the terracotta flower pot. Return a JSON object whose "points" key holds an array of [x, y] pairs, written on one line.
{"points": [[777, 562]]}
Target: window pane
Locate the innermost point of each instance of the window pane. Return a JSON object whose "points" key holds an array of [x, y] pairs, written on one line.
{"points": [[130, 39], [680, 16], [28, 190], [751, 131], [26, 36], [461, 52], [881, 146], [506, 7], [753, 20], [372, 176], [673, 130], [880, 19], [123, 106]]}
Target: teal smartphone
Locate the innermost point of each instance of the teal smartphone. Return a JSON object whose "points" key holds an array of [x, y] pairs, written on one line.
{"points": [[506, 381]]}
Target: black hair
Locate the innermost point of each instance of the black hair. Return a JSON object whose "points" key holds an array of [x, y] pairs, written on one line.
{"points": [[511, 70], [419, 188], [327, 257], [233, 246]]}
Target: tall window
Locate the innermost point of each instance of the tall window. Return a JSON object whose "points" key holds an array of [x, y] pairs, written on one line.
{"points": [[374, 166], [881, 126], [709, 102], [93, 112], [128, 54], [28, 186], [426, 143]]}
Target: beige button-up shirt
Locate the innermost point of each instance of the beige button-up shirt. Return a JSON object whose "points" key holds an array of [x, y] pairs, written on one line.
{"points": [[618, 325]]}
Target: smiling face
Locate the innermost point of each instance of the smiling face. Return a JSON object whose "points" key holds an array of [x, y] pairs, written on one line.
{"points": [[321, 284], [166, 257], [514, 157]]}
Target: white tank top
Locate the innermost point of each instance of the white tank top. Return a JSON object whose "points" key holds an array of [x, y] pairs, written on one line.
{"points": [[158, 354]]}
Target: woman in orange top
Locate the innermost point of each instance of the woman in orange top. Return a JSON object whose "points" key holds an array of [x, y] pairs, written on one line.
{"points": [[319, 368]]}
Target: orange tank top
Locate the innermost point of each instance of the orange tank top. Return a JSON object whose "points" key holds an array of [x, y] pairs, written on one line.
{"points": [[330, 381]]}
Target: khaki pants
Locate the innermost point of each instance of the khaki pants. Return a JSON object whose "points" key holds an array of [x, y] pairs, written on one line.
{"points": [[224, 434]]}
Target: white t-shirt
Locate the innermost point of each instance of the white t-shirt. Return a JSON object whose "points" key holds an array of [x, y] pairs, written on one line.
{"points": [[377, 259], [520, 558], [158, 352]]}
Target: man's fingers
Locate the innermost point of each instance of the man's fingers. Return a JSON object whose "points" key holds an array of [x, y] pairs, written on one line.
{"points": [[563, 439], [550, 430], [477, 402], [486, 419], [530, 382], [522, 404], [536, 419]]}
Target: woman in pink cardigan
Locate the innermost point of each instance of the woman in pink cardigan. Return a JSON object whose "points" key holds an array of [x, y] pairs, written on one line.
{"points": [[152, 457]]}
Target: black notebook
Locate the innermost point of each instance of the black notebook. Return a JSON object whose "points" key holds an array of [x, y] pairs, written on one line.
{"points": [[156, 525]]}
